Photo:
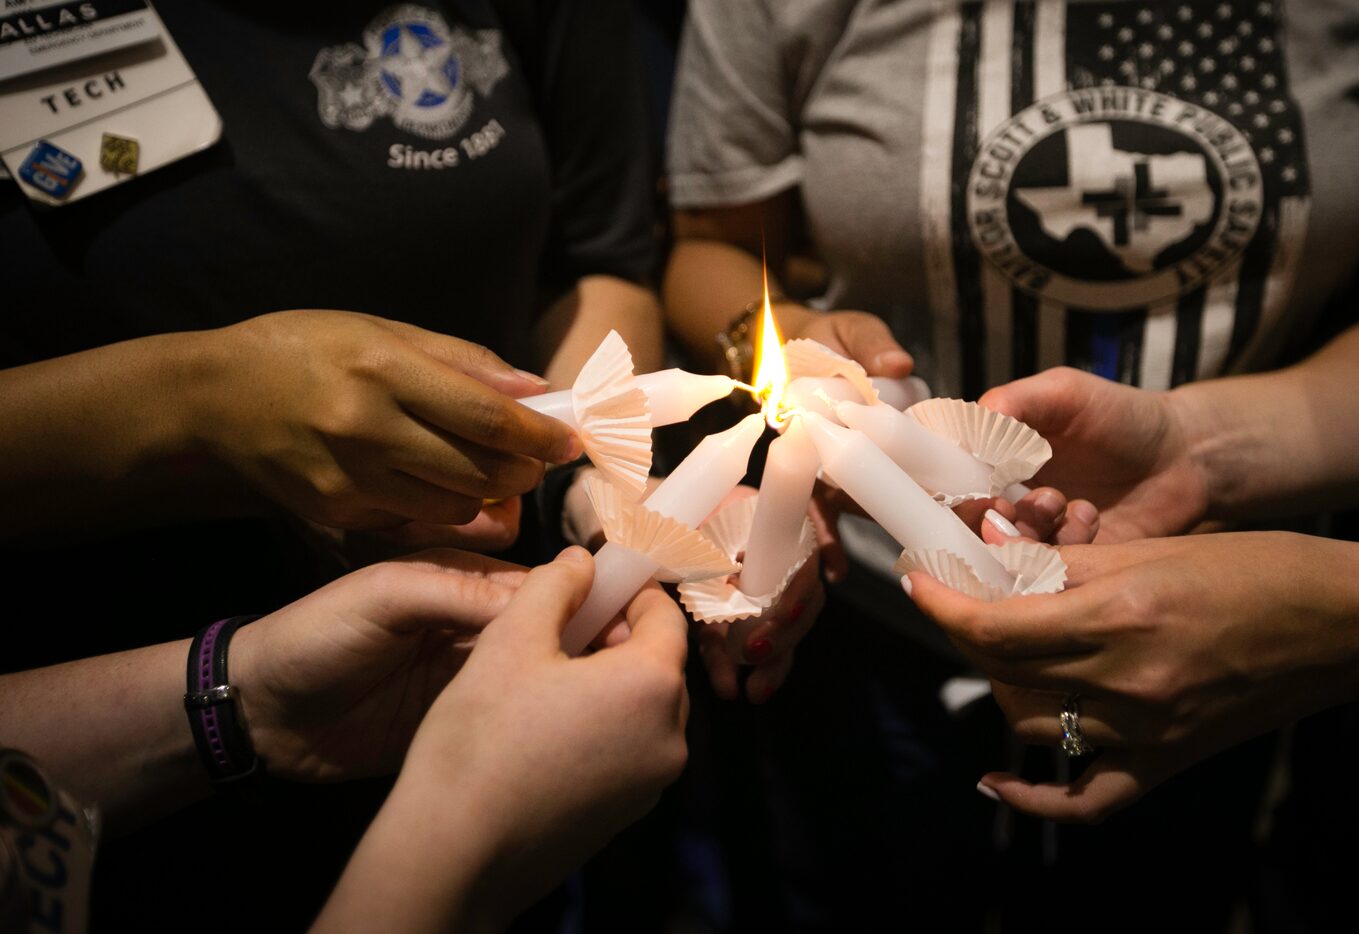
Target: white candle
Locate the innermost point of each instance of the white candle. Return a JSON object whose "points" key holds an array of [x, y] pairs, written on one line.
{"points": [[936, 463], [901, 393], [895, 501], [675, 395], [695, 488], [672, 395], [785, 492], [810, 392]]}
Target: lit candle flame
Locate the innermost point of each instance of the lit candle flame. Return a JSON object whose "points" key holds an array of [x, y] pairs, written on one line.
{"points": [[771, 373]]}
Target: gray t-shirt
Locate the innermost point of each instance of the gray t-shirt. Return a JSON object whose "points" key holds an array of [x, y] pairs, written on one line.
{"points": [[1156, 192]]}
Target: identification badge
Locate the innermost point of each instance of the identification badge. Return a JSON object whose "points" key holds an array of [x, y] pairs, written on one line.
{"points": [[116, 115], [47, 845], [37, 34]]}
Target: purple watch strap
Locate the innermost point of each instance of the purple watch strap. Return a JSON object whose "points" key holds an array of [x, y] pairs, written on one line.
{"points": [[223, 743]]}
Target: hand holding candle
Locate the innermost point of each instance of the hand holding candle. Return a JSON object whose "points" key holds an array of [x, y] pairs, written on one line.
{"points": [[776, 538], [694, 489]]}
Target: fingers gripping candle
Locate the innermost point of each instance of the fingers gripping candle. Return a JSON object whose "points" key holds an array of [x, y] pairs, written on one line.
{"points": [[695, 488]]}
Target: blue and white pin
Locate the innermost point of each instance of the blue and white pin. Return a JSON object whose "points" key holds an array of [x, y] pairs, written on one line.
{"points": [[52, 170]]}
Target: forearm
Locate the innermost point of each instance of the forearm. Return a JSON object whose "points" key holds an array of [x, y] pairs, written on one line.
{"points": [[112, 730], [707, 284], [106, 436], [1328, 573], [422, 866], [1278, 442], [717, 268], [575, 324]]}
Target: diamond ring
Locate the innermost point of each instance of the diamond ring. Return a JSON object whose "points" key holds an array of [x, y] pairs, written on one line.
{"points": [[1073, 737]]}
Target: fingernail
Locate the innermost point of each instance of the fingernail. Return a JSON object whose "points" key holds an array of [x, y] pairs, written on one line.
{"points": [[757, 650], [764, 693], [906, 585], [1048, 503], [1085, 512], [532, 378], [574, 554], [892, 360], [1002, 524], [572, 449], [796, 612], [988, 792]]}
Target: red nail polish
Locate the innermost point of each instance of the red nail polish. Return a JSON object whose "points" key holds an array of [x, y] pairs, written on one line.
{"points": [[797, 610], [758, 650]]}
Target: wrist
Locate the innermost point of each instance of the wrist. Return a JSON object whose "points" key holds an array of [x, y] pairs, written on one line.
{"points": [[1210, 443], [203, 362], [426, 863]]}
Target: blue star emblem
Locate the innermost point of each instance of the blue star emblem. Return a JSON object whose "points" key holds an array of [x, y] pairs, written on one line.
{"points": [[417, 65]]}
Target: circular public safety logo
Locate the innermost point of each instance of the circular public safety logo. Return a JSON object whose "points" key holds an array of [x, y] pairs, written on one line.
{"points": [[419, 70], [1113, 197]]}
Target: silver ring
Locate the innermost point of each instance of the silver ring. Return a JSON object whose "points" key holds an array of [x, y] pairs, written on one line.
{"points": [[1073, 737]]}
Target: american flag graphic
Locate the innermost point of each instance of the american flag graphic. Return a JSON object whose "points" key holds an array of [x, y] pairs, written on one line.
{"points": [[991, 61]]}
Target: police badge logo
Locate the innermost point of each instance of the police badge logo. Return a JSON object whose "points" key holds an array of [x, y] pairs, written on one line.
{"points": [[412, 68]]}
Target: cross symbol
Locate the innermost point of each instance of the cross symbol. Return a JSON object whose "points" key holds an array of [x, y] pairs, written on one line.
{"points": [[1132, 200]]}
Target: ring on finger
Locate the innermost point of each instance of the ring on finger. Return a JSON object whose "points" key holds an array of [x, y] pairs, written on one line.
{"points": [[1074, 742]]}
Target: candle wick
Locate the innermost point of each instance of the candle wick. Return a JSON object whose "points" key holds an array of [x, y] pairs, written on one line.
{"points": [[747, 387]]}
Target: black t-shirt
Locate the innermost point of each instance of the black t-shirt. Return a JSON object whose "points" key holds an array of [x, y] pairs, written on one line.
{"points": [[444, 164], [449, 164], [452, 164]]}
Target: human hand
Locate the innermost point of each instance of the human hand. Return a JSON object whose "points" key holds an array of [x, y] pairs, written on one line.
{"points": [[1177, 647], [1126, 450], [765, 642], [495, 528], [334, 685], [1042, 515], [862, 337], [527, 763], [359, 422]]}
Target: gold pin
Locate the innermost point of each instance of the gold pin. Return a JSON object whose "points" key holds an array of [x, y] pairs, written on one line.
{"points": [[119, 154]]}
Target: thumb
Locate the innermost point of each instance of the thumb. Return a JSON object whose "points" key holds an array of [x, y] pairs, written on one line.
{"points": [[1050, 398], [472, 359], [548, 597], [867, 340]]}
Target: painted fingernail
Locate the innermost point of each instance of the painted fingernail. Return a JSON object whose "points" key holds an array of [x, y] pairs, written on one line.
{"points": [[988, 791], [757, 650], [906, 585], [1085, 512], [797, 610], [532, 378], [1002, 524], [763, 694]]}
